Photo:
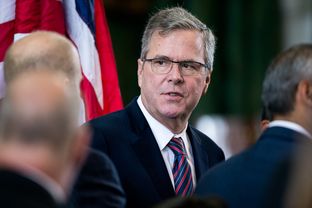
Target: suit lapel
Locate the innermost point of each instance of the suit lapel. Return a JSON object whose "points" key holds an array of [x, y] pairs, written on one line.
{"points": [[201, 160], [147, 150]]}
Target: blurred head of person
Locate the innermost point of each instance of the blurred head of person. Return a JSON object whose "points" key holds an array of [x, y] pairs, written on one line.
{"points": [[43, 50], [287, 87], [39, 131]]}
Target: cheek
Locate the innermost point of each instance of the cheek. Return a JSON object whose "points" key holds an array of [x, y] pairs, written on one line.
{"points": [[149, 87], [197, 88], [196, 95]]}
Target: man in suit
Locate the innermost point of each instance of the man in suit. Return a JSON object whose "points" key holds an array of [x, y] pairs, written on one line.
{"points": [[50, 52], [41, 147], [147, 140], [244, 180]]}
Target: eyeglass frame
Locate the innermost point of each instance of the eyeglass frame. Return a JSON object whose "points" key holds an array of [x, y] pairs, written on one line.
{"points": [[206, 66]]}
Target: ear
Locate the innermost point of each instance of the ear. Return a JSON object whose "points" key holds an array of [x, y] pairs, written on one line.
{"points": [[80, 146], [75, 157], [304, 92], [140, 72], [207, 82], [264, 124], [309, 92]]}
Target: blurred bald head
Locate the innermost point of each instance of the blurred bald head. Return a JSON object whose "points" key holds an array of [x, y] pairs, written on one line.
{"points": [[39, 108], [39, 115], [40, 70], [42, 50]]}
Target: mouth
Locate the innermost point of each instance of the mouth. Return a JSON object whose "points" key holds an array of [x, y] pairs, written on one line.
{"points": [[174, 94]]}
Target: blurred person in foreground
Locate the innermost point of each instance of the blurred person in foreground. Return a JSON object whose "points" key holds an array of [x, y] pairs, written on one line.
{"points": [[150, 138], [243, 180], [41, 146], [50, 52]]}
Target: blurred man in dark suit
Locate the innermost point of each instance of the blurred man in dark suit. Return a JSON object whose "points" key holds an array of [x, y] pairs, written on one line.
{"points": [[244, 180], [158, 155], [47, 52], [41, 146]]}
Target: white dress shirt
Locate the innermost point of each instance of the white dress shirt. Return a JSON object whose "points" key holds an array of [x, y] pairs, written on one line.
{"points": [[163, 136], [290, 125]]}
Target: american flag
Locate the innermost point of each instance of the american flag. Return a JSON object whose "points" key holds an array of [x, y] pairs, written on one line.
{"points": [[84, 23]]}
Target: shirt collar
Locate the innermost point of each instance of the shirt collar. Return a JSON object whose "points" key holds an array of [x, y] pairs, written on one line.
{"points": [[161, 133], [290, 125]]}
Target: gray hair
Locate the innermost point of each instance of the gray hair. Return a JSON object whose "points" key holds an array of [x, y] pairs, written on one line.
{"points": [[176, 18], [283, 76]]}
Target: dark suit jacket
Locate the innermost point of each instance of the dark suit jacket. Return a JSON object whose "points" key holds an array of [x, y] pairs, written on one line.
{"points": [[245, 180], [19, 191], [127, 139], [98, 184]]}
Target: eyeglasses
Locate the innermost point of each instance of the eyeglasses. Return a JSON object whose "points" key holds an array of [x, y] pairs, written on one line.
{"points": [[187, 68]]}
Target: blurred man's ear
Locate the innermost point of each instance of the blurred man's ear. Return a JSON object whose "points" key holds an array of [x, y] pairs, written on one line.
{"points": [[304, 92], [77, 153], [80, 145], [309, 91], [264, 124]]}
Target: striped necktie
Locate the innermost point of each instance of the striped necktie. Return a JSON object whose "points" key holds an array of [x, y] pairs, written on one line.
{"points": [[181, 171]]}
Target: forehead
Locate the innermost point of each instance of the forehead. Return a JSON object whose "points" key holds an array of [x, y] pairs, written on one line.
{"points": [[179, 44]]}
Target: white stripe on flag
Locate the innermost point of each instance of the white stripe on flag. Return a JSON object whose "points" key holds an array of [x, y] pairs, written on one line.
{"points": [[7, 8], [18, 36], [80, 34]]}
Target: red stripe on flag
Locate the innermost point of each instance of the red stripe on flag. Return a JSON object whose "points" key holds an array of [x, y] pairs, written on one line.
{"points": [[6, 37], [39, 15], [92, 106], [111, 92], [27, 16], [52, 16]]}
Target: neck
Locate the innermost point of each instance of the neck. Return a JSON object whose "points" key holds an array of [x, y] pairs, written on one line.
{"points": [[298, 118], [176, 126], [31, 161]]}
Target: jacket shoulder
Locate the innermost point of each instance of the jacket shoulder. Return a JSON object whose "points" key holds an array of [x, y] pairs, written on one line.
{"points": [[206, 141], [109, 120]]}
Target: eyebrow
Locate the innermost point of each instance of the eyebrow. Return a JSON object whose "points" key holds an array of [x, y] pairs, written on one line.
{"points": [[168, 58]]}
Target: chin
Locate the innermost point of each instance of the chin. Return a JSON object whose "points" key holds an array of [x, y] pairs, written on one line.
{"points": [[171, 114]]}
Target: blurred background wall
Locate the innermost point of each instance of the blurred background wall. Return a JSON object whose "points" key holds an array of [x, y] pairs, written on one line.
{"points": [[249, 34]]}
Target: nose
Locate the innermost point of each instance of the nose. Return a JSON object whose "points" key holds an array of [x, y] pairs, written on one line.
{"points": [[175, 74]]}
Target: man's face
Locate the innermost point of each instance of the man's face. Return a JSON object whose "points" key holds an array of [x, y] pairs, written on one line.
{"points": [[172, 95]]}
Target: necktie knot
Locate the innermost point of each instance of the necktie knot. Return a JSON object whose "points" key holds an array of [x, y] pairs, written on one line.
{"points": [[177, 147]]}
